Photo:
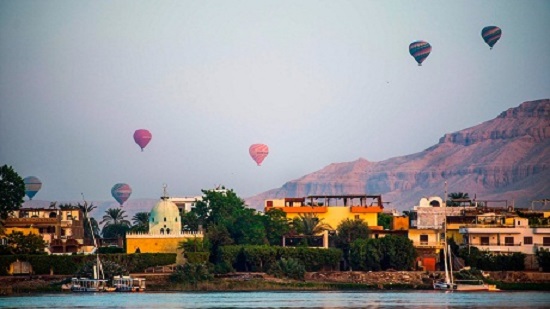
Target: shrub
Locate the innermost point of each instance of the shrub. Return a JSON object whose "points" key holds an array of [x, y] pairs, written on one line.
{"points": [[289, 268], [191, 273], [110, 269], [543, 259]]}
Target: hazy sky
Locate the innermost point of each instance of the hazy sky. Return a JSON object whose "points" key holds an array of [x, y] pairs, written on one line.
{"points": [[318, 81]]}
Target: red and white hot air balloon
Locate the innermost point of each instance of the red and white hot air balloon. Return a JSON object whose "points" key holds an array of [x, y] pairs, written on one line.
{"points": [[142, 137], [258, 152]]}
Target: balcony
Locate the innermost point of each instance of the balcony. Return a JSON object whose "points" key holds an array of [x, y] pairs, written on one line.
{"points": [[366, 209], [303, 209], [429, 244]]}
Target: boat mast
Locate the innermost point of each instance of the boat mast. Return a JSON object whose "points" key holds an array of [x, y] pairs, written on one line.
{"points": [[445, 253], [98, 270]]}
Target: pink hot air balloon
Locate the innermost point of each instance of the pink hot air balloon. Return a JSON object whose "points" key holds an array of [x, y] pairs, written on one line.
{"points": [[258, 152], [142, 137]]}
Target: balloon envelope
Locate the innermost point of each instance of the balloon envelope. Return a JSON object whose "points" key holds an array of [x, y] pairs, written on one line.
{"points": [[258, 152], [491, 34], [121, 192], [32, 186], [142, 137], [420, 50]]}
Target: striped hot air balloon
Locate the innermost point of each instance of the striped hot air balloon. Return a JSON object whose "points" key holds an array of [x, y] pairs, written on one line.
{"points": [[32, 186], [142, 137], [121, 192], [491, 34], [258, 152], [420, 51]]}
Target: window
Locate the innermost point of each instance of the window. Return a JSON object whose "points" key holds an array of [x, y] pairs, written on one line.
{"points": [[484, 240], [528, 240], [357, 217], [546, 241], [164, 219], [508, 241], [423, 239]]}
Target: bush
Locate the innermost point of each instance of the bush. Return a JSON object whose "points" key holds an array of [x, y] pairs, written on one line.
{"points": [[191, 273], [110, 250], [289, 268], [70, 264], [543, 259], [110, 269], [261, 258]]}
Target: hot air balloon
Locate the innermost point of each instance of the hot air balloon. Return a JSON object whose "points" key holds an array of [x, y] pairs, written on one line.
{"points": [[142, 137], [258, 152], [121, 192], [420, 50], [32, 186], [490, 35]]}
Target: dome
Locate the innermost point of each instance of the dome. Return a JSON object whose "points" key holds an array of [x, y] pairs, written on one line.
{"points": [[164, 218]]}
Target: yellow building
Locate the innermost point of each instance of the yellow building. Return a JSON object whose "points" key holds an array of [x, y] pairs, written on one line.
{"points": [[164, 233], [332, 209], [61, 229]]}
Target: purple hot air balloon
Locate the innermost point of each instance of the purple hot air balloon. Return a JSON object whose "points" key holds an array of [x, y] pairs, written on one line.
{"points": [[32, 186], [121, 192], [420, 51], [142, 137], [258, 152]]}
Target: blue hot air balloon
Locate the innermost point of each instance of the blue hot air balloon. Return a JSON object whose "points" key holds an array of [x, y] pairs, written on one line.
{"points": [[32, 186], [121, 192], [420, 50]]}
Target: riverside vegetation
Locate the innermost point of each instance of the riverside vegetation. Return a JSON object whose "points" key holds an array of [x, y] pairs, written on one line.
{"points": [[240, 239]]}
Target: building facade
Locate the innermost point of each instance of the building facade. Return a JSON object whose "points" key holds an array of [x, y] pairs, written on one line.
{"points": [[61, 229]]}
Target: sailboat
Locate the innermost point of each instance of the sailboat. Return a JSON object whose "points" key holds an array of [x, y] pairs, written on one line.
{"points": [[98, 283], [448, 283]]}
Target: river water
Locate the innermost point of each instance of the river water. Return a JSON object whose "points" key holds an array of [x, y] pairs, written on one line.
{"points": [[338, 299]]}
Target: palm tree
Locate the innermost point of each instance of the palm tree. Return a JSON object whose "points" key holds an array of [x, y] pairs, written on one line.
{"points": [[456, 197], [90, 223], [141, 222], [115, 216], [309, 225]]}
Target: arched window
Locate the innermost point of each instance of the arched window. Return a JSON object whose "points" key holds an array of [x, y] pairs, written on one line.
{"points": [[162, 230], [164, 219], [168, 231], [53, 214]]}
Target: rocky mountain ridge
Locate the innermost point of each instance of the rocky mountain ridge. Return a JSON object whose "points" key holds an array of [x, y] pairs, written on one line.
{"points": [[506, 158]]}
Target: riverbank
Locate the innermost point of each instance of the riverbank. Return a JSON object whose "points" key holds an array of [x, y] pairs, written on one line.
{"points": [[314, 281]]}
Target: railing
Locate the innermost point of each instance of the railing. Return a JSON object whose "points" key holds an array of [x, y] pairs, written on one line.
{"points": [[496, 244], [429, 244]]}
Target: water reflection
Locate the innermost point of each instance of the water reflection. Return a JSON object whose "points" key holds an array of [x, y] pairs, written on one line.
{"points": [[405, 299]]}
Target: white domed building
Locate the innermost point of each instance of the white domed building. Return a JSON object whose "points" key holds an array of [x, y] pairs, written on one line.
{"points": [[164, 218], [165, 231]]}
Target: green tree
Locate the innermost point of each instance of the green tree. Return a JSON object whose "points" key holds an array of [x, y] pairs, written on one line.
{"points": [[19, 243], [190, 222], [543, 259], [115, 216], [384, 220], [398, 253], [141, 222], [366, 254], [90, 223], [114, 230], [309, 224], [276, 226], [456, 197], [12, 191], [224, 208], [347, 232]]}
